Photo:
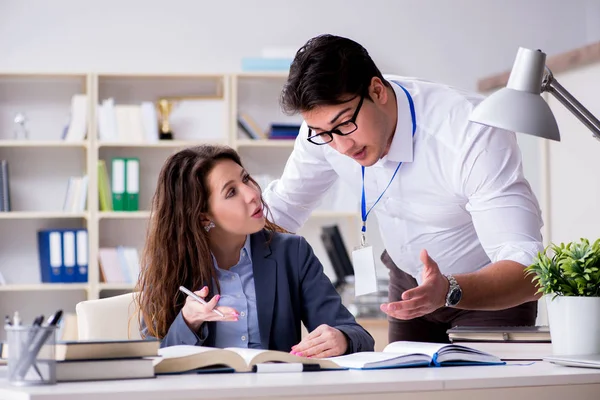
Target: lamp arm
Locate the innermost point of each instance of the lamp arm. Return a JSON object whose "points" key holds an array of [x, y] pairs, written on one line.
{"points": [[551, 85]]}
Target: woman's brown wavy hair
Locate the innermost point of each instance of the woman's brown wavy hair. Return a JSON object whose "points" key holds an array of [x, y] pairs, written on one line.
{"points": [[177, 249]]}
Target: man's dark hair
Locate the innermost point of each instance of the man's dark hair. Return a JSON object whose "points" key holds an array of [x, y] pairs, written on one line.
{"points": [[327, 70]]}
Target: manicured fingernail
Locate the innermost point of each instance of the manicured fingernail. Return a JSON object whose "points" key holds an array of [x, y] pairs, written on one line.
{"points": [[218, 297], [293, 353], [300, 354], [235, 319]]}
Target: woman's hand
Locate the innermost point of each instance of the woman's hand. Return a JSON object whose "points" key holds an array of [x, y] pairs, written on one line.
{"points": [[324, 341], [195, 313]]}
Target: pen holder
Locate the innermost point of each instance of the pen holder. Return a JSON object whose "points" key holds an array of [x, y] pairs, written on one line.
{"points": [[31, 355]]}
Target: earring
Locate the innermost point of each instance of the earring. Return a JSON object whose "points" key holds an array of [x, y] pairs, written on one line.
{"points": [[209, 226]]}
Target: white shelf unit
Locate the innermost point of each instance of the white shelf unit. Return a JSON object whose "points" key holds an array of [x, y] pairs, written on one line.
{"points": [[39, 169], [40, 166]]}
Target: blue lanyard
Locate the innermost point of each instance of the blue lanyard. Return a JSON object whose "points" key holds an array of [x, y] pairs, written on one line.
{"points": [[363, 203]]}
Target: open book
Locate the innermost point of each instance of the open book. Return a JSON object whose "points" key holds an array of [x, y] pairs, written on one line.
{"points": [[416, 354], [177, 359], [183, 358]]}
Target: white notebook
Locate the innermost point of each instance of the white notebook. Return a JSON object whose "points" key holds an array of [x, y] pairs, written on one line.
{"points": [[585, 361]]}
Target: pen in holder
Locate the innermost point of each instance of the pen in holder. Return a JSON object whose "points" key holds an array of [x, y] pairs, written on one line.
{"points": [[31, 354]]}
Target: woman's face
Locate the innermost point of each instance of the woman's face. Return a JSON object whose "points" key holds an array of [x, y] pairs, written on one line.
{"points": [[234, 203]]}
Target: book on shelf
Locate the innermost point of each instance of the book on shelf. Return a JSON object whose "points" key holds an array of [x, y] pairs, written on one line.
{"points": [[250, 127], [284, 131], [76, 196], [77, 128], [254, 64], [119, 265], [179, 359], [4, 187], [499, 334], [104, 190]]}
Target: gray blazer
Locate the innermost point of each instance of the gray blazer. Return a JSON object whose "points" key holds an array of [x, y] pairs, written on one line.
{"points": [[290, 287]]}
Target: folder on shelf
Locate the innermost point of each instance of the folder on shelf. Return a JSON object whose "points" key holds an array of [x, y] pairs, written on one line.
{"points": [[81, 246], [132, 184], [104, 191], [4, 186], [50, 255], [118, 184], [68, 270]]}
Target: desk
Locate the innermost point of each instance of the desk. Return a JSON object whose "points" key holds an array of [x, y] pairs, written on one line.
{"points": [[537, 381]]}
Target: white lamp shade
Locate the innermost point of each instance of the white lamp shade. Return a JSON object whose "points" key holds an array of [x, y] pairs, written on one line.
{"points": [[517, 111], [519, 107]]}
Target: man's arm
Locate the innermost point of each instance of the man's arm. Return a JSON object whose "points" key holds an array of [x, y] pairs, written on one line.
{"points": [[507, 218], [306, 178], [508, 222]]}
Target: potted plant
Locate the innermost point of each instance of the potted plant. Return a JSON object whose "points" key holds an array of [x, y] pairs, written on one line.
{"points": [[569, 277]]}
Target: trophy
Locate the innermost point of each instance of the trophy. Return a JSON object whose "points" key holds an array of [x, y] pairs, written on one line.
{"points": [[165, 106], [21, 132]]}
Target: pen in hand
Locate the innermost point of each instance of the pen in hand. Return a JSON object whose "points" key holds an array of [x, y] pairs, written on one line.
{"points": [[199, 299]]}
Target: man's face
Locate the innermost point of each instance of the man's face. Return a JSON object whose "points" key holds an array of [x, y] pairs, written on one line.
{"points": [[361, 123]]}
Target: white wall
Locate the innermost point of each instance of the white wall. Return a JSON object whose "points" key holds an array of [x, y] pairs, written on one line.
{"points": [[454, 41]]}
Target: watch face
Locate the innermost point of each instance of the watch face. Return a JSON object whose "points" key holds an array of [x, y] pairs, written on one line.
{"points": [[455, 296]]}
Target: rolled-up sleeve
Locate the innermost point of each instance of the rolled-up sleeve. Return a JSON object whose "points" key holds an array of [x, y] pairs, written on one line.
{"points": [[306, 178], [505, 211]]}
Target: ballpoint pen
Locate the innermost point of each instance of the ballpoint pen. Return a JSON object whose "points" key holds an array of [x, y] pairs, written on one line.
{"points": [[37, 322], [198, 299], [32, 349]]}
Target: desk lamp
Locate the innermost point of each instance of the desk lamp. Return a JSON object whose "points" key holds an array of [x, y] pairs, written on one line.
{"points": [[519, 107]]}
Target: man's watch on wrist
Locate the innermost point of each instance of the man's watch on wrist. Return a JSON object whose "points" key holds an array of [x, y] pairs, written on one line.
{"points": [[454, 294]]}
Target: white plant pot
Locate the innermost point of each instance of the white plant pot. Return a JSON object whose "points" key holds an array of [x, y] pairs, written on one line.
{"points": [[574, 324]]}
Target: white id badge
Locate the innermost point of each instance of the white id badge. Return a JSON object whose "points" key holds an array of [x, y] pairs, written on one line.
{"points": [[365, 278]]}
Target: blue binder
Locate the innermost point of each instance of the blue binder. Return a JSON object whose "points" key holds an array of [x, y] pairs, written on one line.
{"points": [[68, 249], [81, 251], [50, 255]]}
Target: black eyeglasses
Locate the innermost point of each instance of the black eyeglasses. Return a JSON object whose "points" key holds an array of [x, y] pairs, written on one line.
{"points": [[343, 129]]}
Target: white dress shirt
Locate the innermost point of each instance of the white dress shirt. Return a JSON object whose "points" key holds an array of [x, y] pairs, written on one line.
{"points": [[460, 192]]}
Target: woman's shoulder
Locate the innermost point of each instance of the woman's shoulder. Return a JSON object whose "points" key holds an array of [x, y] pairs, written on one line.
{"points": [[285, 240]]}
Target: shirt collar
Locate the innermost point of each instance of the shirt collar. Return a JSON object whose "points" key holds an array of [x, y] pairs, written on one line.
{"points": [[401, 149]]}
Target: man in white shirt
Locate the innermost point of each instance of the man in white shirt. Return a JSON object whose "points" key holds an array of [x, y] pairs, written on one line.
{"points": [[458, 219]]}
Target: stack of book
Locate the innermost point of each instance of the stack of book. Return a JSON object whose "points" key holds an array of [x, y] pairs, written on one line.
{"points": [[102, 360], [510, 343]]}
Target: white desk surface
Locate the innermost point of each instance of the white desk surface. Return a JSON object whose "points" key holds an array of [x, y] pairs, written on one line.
{"points": [[539, 380]]}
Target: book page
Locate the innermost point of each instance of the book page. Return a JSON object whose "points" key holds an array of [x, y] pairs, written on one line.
{"points": [[258, 356], [183, 351], [370, 359], [405, 347], [248, 354]]}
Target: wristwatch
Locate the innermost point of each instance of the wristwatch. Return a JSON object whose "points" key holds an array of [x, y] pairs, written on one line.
{"points": [[454, 292]]}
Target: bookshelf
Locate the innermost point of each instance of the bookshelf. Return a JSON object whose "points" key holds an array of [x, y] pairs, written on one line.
{"points": [[39, 167]]}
